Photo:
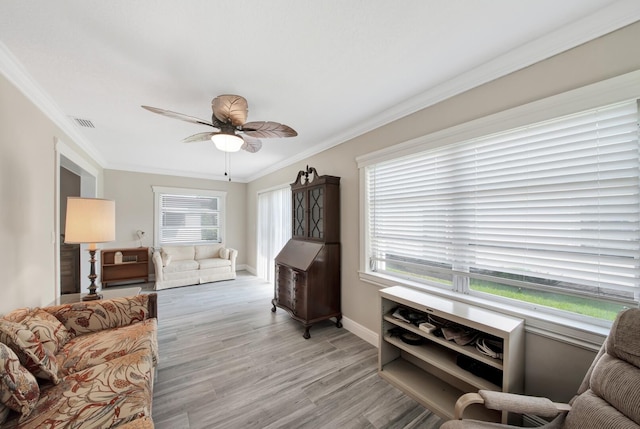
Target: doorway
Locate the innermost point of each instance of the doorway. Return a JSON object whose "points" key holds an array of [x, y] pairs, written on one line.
{"points": [[75, 176], [69, 253]]}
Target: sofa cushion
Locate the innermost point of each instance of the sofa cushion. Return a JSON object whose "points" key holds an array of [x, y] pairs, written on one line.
{"points": [[207, 251], [19, 389], [624, 340], [180, 266], [143, 423], [104, 396], [214, 263], [92, 316], [589, 411], [617, 381], [166, 259], [96, 348], [17, 315], [178, 253], [51, 333], [31, 353], [224, 253]]}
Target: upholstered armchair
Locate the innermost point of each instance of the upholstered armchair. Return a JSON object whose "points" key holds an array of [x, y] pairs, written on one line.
{"points": [[608, 398]]}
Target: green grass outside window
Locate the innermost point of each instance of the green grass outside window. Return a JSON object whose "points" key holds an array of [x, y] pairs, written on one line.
{"points": [[573, 304]]}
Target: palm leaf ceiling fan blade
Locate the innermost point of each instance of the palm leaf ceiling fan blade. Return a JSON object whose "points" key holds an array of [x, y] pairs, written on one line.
{"points": [[268, 129], [177, 115], [200, 137], [231, 109], [251, 144], [229, 118]]}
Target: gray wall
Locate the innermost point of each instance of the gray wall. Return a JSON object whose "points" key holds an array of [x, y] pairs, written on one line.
{"points": [[28, 175], [134, 199]]}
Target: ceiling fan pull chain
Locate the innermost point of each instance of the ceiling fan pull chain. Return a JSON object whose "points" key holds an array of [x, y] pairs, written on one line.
{"points": [[227, 165]]}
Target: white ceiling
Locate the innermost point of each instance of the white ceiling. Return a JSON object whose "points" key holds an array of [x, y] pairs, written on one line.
{"points": [[331, 69]]}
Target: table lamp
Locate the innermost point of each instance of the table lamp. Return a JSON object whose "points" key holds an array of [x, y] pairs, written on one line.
{"points": [[90, 221]]}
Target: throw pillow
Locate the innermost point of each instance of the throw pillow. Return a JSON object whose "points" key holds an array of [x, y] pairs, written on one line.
{"points": [[19, 389], [17, 315], [50, 332], [224, 253], [32, 354], [166, 259]]}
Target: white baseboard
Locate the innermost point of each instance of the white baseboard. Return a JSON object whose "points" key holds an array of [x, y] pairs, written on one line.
{"points": [[359, 330], [246, 268]]}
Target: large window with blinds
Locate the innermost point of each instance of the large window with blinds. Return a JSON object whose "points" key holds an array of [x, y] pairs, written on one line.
{"points": [[188, 216], [546, 215]]}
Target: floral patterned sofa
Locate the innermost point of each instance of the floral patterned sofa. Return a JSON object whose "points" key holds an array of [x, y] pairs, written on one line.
{"points": [[82, 365]]}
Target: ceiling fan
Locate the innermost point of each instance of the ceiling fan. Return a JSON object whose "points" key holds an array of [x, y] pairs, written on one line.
{"points": [[233, 132]]}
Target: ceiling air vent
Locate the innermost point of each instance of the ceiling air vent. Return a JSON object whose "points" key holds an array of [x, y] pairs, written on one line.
{"points": [[84, 122]]}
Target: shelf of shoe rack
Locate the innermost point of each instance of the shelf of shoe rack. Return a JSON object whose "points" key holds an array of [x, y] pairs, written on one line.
{"points": [[429, 372]]}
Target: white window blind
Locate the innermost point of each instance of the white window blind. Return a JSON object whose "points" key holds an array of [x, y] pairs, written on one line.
{"points": [[553, 206], [189, 219]]}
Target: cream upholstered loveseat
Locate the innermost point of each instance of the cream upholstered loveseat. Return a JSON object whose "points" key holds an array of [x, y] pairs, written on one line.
{"points": [[85, 365], [190, 265]]}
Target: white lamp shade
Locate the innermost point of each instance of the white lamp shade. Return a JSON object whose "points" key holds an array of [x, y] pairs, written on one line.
{"points": [[227, 142], [90, 220]]}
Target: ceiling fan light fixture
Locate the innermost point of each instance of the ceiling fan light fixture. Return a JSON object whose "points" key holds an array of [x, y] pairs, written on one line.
{"points": [[227, 142]]}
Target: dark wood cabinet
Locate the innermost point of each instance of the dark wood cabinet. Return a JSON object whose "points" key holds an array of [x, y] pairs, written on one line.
{"points": [[134, 265], [307, 269], [316, 209]]}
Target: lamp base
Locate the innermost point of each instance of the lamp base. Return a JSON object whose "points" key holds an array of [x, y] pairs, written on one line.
{"points": [[92, 297]]}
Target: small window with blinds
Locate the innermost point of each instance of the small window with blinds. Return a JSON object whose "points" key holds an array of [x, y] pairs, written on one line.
{"points": [[184, 218], [547, 214]]}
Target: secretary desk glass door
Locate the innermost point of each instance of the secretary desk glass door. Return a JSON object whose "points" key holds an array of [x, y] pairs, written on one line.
{"points": [[299, 214]]}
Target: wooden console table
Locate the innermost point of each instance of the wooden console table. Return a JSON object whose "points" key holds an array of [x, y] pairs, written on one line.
{"points": [[134, 265]]}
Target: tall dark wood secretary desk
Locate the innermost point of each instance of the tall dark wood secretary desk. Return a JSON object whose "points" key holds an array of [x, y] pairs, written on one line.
{"points": [[307, 269]]}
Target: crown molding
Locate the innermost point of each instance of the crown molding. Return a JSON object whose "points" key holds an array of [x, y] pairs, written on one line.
{"points": [[15, 72], [614, 90], [609, 19], [179, 173]]}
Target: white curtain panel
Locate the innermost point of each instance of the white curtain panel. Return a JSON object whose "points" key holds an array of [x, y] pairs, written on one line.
{"points": [[274, 228]]}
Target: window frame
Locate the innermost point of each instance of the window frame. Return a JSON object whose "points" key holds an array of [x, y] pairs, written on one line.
{"points": [[158, 191], [614, 90]]}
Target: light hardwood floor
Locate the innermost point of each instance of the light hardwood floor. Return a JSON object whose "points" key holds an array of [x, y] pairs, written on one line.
{"points": [[227, 361]]}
